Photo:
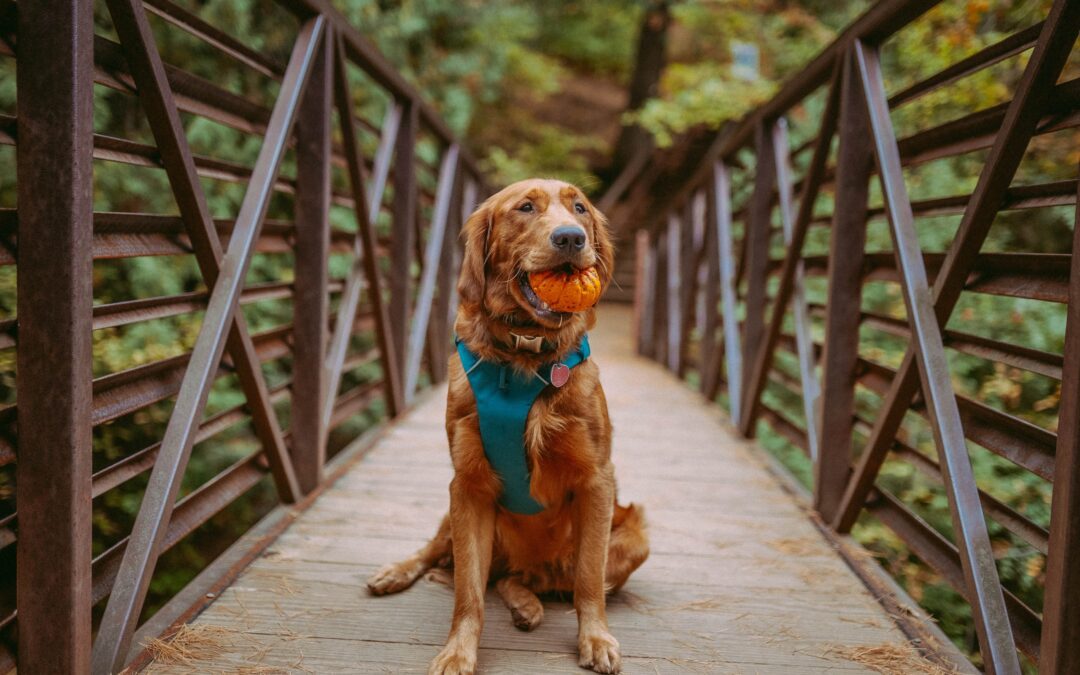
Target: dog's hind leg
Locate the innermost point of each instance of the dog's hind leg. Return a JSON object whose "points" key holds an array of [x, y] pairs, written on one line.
{"points": [[400, 575], [526, 610], [628, 547]]}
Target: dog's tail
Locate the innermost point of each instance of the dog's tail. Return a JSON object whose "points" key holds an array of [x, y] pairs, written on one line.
{"points": [[629, 546], [633, 514]]}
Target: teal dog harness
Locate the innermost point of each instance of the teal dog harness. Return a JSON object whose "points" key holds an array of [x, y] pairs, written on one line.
{"points": [[503, 400]]}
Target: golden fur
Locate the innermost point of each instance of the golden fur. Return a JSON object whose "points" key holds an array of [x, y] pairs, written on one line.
{"points": [[583, 542]]}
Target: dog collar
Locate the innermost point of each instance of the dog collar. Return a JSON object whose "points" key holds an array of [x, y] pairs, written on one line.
{"points": [[504, 398]]}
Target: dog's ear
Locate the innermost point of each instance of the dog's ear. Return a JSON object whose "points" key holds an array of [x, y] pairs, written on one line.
{"points": [[603, 243], [476, 233]]}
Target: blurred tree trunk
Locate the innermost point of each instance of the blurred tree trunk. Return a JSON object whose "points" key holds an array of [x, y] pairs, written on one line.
{"points": [[651, 58]]}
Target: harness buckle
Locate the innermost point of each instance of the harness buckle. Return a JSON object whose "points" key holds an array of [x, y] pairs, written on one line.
{"points": [[530, 343]]}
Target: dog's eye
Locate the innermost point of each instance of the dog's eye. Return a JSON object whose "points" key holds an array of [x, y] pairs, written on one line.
{"points": [[579, 207], [527, 207]]}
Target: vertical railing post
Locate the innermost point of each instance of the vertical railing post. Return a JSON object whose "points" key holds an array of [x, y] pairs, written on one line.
{"points": [[1061, 608], [365, 266], [710, 345], [804, 345], [674, 293], [687, 282], [447, 279], [988, 609], [758, 234], [418, 335], [729, 301], [403, 238], [311, 303], [643, 291], [846, 251], [465, 209], [55, 200], [660, 306]]}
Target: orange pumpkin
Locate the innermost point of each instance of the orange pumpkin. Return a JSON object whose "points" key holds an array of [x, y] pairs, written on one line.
{"points": [[567, 291]]}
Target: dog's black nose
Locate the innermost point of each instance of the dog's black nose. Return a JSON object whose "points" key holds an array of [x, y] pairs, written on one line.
{"points": [[568, 238]]}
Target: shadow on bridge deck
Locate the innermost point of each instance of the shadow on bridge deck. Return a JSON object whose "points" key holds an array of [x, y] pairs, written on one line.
{"points": [[739, 579]]}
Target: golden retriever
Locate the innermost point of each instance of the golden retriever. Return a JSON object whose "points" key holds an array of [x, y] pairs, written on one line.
{"points": [[582, 542]]}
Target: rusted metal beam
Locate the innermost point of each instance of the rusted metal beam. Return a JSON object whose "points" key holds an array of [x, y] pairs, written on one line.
{"points": [[469, 201], [847, 245], [1029, 359], [761, 360], [643, 291], [940, 554], [365, 266], [432, 257], [660, 307], [711, 348], [1061, 604], [757, 239], [725, 245], [403, 233], [191, 23], [675, 273], [984, 58], [1020, 122], [441, 330], [148, 72], [55, 196], [688, 265], [811, 389], [311, 300], [125, 603], [361, 51], [977, 557]]}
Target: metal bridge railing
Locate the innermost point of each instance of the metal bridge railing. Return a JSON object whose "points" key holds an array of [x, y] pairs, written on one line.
{"points": [[319, 152], [722, 289]]}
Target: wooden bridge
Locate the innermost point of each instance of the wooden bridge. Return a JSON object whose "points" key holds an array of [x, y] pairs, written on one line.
{"points": [[739, 579], [290, 440]]}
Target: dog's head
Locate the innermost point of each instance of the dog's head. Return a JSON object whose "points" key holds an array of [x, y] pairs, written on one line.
{"points": [[531, 226]]}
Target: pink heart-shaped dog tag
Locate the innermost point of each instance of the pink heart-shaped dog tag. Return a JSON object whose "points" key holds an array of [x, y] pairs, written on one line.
{"points": [[560, 374]]}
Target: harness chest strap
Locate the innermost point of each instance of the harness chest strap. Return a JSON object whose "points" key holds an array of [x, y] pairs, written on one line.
{"points": [[504, 398]]}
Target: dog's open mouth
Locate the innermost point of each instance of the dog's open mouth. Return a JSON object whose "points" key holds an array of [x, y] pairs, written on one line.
{"points": [[539, 307]]}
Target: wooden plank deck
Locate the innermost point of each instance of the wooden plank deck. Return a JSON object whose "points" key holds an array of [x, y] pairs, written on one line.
{"points": [[739, 580]]}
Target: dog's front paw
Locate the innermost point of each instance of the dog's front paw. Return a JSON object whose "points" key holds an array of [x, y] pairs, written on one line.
{"points": [[453, 660], [393, 578], [599, 650]]}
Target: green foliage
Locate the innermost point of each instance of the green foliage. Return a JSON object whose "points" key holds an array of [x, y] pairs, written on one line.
{"points": [[485, 66], [701, 87], [699, 93], [551, 152]]}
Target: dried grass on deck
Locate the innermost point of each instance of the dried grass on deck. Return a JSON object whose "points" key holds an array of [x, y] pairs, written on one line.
{"points": [[190, 643], [889, 658]]}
